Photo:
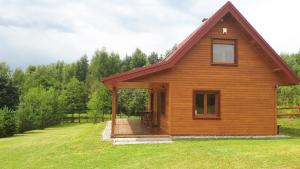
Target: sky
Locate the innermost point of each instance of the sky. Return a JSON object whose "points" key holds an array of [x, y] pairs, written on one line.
{"points": [[45, 31]]}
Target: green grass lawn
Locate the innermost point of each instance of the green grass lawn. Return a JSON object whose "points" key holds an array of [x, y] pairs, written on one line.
{"points": [[78, 146]]}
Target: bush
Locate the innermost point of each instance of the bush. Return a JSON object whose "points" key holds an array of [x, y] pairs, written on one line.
{"points": [[7, 122], [38, 109]]}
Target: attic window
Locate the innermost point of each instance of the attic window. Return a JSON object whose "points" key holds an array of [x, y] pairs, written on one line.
{"points": [[224, 52], [224, 31]]}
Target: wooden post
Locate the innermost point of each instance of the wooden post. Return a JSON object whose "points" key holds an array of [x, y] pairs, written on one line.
{"points": [[149, 100], [113, 110], [79, 117]]}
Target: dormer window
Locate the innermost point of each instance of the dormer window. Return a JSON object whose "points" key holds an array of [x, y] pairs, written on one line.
{"points": [[224, 52]]}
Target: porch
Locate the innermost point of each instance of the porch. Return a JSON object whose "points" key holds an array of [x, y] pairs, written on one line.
{"points": [[136, 128], [150, 123]]}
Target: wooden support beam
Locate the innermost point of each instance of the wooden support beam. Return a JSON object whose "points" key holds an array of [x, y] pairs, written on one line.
{"points": [[114, 110], [149, 99]]}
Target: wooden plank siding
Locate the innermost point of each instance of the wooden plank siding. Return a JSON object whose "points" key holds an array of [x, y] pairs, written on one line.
{"points": [[247, 91]]}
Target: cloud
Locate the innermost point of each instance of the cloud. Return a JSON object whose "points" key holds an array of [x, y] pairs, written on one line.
{"points": [[41, 31]]}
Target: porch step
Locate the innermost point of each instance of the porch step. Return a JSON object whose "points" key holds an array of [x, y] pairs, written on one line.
{"points": [[149, 140]]}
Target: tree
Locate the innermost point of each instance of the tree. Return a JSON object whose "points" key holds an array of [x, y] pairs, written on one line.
{"points": [[7, 122], [289, 95], [4, 70], [45, 76], [153, 58], [98, 67], [62, 104], [100, 103], [125, 65], [113, 64], [169, 51], [132, 101], [293, 60], [38, 109], [8, 92], [138, 59], [69, 72], [18, 77], [102, 64], [82, 67], [58, 69], [76, 97]]}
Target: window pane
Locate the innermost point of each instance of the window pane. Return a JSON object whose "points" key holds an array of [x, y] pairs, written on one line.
{"points": [[199, 103], [211, 103], [223, 53]]}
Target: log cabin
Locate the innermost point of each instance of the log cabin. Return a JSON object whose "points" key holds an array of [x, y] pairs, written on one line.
{"points": [[221, 80]]}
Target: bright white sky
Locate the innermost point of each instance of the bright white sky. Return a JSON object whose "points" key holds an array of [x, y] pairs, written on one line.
{"points": [[41, 31]]}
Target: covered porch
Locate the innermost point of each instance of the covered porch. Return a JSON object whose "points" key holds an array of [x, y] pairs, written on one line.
{"points": [[152, 122], [135, 127]]}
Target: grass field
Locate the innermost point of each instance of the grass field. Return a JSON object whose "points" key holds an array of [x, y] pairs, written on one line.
{"points": [[78, 146]]}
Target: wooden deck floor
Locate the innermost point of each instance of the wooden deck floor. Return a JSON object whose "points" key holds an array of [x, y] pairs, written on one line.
{"points": [[135, 127]]}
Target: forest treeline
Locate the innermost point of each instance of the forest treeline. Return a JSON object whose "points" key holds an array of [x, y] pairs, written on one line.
{"points": [[42, 95]]}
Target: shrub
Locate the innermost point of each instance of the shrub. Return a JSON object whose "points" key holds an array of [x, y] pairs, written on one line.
{"points": [[38, 109], [7, 122]]}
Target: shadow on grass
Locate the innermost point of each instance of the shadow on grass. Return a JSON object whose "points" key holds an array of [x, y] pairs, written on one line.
{"points": [[40, 131], [58, 126], [64, 125], [294, 132], [32, 132]]}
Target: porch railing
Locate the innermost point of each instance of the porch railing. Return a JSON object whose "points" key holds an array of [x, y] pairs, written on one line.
{"points": [[147, 118], [288, 111]]}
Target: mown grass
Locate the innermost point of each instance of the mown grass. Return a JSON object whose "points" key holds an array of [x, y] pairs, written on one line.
{"points": [[290, 126], [78, 146]]}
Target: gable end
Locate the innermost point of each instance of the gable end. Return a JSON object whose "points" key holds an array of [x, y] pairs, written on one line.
{"points": [[199, 33]]}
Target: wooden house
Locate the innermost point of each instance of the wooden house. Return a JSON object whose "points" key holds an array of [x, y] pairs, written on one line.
{"points": [[221, 80]]}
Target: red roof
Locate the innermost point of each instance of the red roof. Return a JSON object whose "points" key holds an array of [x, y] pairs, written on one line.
{"points": [[193, 38]]}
